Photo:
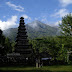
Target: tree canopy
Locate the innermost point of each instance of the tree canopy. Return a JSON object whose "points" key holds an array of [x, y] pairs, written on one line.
{"points": [[66, 25]]}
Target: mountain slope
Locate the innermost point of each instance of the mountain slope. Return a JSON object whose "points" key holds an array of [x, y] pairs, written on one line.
{"points": [[34, 29]]}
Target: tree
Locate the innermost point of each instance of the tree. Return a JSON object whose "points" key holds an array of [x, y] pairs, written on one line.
{"points": [[13, 43], [5, 45], [8, 47], [66, 25], [54, 47], [62, 53]]}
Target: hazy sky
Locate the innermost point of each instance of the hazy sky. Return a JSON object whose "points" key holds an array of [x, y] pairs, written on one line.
{"points": [[47, 11]]}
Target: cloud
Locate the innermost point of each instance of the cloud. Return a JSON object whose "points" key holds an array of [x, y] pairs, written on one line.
{"points": [[4, 16], [27, 18], [44, 20], [17, 8], [65, 3], [60, 13], [36, 18], [9, 23], [57, 23]]}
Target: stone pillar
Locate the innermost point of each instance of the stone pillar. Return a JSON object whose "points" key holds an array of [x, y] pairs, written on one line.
{"points": [[68, 57], [38, 63]]}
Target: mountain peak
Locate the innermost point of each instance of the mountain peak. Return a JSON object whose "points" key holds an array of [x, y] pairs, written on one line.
{"points": [[33, 24], [37, 21], [36, 24]]}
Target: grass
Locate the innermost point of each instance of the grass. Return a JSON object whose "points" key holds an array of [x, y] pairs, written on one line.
{"points": [[56, 68]]}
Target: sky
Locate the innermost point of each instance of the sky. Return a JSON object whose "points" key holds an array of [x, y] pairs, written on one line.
{"points": [[47, 11]]}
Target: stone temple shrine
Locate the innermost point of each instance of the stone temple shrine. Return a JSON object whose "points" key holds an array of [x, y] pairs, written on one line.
{"points": [[23, 50], [22, 45]]}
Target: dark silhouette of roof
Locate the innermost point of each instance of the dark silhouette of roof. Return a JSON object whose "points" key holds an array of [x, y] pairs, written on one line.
{"points": [[22, 18]]}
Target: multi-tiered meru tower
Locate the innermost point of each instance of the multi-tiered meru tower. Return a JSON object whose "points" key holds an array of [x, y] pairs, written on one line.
{"points": [[22, 45]]}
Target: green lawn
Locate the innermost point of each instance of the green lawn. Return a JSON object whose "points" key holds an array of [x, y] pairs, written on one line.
{"points": [[59, 68]]}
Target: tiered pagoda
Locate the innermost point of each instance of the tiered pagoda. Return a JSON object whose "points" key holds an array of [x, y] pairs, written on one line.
{"points": [[22, 45]]}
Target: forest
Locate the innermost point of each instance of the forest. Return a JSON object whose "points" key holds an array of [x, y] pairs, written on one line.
{"points": [[56, 47]]}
